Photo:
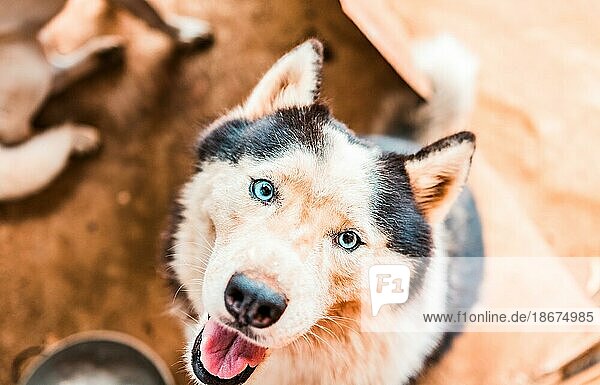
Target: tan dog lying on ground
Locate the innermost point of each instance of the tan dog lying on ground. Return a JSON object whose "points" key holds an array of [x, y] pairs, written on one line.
{"points": [[28, 77]]}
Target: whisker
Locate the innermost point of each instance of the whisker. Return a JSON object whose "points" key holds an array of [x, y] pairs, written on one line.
{"points": [[206, 247], [189, 316], [328, 331], [340, 325], [308, 343], [176, 293], [333, 350], [186, 264], [199, 269], [343, 318]]}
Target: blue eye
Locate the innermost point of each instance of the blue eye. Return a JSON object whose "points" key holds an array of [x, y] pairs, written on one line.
{"points": [[263, 190], [348, 240]]}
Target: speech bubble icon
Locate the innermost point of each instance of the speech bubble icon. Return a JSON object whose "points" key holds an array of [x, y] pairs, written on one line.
{"points": [[388, 284]]}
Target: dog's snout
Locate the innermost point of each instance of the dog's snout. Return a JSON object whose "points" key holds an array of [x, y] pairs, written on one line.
{"points": [[253, 302]]}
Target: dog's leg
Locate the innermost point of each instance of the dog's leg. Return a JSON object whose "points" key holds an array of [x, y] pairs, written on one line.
{"points": [[94, 54], [31, 166], [184, 30], [25, 80]]}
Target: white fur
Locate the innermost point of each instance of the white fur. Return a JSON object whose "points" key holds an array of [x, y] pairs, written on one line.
{"points": [[31, 166], [292, 82], [261, 239], [224, 231], [204, 264], [452, 70]]}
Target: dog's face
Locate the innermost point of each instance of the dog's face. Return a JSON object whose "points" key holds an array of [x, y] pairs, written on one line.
{"points": [[285, 205]]}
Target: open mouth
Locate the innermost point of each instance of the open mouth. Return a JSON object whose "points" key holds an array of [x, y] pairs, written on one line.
{"points": [[222, 356]]}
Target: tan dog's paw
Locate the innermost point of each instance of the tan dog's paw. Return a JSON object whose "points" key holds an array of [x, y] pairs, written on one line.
{"points": [[85, 139], [191, 31]]}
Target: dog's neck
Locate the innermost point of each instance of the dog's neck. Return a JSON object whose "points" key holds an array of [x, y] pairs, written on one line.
{"points": [[336, 351]]}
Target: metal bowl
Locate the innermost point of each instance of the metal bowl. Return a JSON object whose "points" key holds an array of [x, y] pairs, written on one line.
{"points": [[98, 358]]}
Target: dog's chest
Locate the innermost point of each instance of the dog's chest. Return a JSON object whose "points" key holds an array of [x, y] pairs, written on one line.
{"points": [[366, 359]]}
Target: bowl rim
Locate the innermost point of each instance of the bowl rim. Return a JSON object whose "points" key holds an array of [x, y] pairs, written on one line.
{"points": [[99, 335]]}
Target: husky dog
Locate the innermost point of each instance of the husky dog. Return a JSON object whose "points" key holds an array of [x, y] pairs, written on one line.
{"points": [[27, 78], [268, 235]]}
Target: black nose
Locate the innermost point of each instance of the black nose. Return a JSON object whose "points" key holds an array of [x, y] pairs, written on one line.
{"points": [[252, 302]]}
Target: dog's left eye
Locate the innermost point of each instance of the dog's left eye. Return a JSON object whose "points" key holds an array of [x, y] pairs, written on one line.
{"points": [[263, 190], [348, 240]]}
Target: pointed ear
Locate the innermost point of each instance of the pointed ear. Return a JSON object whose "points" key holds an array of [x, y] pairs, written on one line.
{"points": [[295, 80], [438, 172]]}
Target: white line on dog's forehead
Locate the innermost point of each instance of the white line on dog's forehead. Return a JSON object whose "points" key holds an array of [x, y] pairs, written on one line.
{"points": [[350, 164]]}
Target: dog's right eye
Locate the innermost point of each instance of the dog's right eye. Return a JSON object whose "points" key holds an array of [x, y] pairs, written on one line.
{"points": [[263, 190], [348, 240]]}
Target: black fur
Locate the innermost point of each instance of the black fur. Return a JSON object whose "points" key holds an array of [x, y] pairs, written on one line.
{"points": [[396, 214], [267, 137], [463, 136], [395, 210]]}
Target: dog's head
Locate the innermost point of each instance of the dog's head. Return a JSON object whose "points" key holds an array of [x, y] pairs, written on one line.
{"points": [[284, 206]]}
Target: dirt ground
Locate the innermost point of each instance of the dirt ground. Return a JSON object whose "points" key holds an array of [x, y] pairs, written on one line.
{"points": [[81, 255]]}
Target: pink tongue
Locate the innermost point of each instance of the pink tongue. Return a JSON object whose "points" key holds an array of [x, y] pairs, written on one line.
{"points": [[225, 353]]}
